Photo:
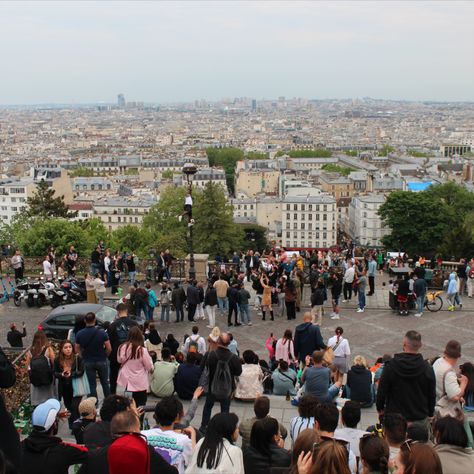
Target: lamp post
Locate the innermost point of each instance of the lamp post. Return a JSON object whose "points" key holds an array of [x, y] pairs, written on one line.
{"points": [[189, 170]]}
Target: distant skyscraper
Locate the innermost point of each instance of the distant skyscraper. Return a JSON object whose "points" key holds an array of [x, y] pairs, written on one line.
{"points": [[254, 105], [121, 101]]}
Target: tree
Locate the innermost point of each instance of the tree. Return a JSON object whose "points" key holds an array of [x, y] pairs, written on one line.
{"points": [[351, 153], [256, 155], [342, 170], [316, 153], [167, 174], [43, 204], [385, 150], [227, 158], [255, 237], [130, 238], [82, 171], [215, 231]]}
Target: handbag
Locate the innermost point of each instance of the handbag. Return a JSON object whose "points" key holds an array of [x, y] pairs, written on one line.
{"points": [[80, 385], [204, 380], [445, 406]]}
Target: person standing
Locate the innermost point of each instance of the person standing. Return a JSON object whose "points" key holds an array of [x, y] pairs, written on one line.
{"points": [[408, 384], [251, 263], [141, 302], [131, 267], [348, 279], [290, 299], [307, 338], [266, 297], [470, 277], [285, 349], [233, 297], [244, 305], [18, 265], [47, 269], [318, 297], [165, 302], [90, 288], [118, 335], [336, 290], [95, 261], [221, 287], [341, 349], [224, 366], [193, 299], [210, 303], [107, 261], [99, 288], [15, 337], [419, 288], [71, 261], [152, 301], [178, 297], [371, 271], [361, 286], [93, 344], [136, 364]]}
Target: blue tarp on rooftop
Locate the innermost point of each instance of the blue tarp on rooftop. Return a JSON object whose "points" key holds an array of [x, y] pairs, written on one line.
{"points": [[417, 186]]}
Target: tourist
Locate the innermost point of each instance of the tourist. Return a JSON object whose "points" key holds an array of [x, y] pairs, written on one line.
{"points": [[87, 415], [285, 349], [162, 380], [18, 265], [261, 408], [67, 367], [307, 338], [118, 334], [452, 446], [244, 306], [290, 299], [408, 384], [220, 391], [266, 297], [403, 290], [47, 269], [317, 379], [452, 291], [178, 297], [284, 379], [193, 299], [222, 287], [171, 344], [341, 350], [213, 339], [164, 298], [195, 342], [40, 363], [361, 286], [176, 448], [200, 307], [265, 450], [250, 382], [152, 302], [371, 271], [303, 444], [233, 299], [15, 337], [359, 383], [187, 377], [395, 433], [216, 452], [210, 303], [350, 417], [419, 288], [90, 288], [374, 454], [136, 364], [99, 286], [153, 343], [92, 343], [336, 290], [318, 297], [43, 451], [467, 369], [140, 300], [419, 458], [305, 420], [348, 279]]}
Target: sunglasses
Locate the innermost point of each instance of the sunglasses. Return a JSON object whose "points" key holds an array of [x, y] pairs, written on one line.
{"points": [[407, 444], [326, 440]]}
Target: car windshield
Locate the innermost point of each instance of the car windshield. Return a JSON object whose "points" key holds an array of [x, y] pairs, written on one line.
{"points": [[106, 314]]}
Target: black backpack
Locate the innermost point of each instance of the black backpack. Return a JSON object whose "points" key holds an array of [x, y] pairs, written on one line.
{"points": [[122, 333], [41, 372], [221, 386]]}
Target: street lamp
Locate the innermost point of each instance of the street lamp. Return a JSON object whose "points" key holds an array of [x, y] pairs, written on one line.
{"points": [[189, 170]]}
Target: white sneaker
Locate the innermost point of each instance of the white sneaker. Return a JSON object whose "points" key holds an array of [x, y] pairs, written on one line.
{"points": [[180, 218], [418, 315], [360, 310], [333, 314], [336, 316], [344, 301]]}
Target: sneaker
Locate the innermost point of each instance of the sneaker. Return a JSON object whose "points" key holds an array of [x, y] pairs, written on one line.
{"points": [[249, 323], [238, 324], [360, 310], [451, 308], [229, 325], [344, 301], [417, 315], [210, 327], [336, 316]]}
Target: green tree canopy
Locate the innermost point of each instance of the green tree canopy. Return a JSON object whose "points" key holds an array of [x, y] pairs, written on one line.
{"points": [[43, 204], [227, 158], [316, 153], [82, 172], [332, 168], [385, 150]]}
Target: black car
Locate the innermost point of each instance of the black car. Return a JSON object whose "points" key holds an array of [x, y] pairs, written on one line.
{"points": [[58, 323]]}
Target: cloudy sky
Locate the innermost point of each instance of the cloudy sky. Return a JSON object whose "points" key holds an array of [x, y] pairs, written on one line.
{"points": [[180, 51]]}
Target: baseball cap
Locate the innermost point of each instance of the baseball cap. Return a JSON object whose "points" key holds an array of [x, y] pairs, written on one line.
{"points": [[127, 454], [87, 406], [45, 414]]}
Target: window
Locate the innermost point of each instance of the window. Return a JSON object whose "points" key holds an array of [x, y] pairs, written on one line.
{"points": [[302, 207], [310, 226], [136, 220], [303, 217], [295, 207], [295, 216], [17, 190], [302, 226], [325, 208], [110, 219], [287, 235], [310, 217], [63, 320], [287, 207], [365, 214], [317, 207], [317, 235], [13, 199], [310, 207], [325, 235], [287, 216], [295, 225], [245, 214], [325, 217], [317, 217], [14, 209], [245, 206]]}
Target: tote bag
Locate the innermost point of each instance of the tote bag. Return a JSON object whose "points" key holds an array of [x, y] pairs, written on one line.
{"points": [[80, 385]]}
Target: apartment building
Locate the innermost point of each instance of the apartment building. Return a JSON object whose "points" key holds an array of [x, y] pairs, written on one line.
{"points": [[13, 196], [337, 185]]}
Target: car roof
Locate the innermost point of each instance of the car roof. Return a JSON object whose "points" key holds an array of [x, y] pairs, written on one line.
{"points": [[77, 308]]}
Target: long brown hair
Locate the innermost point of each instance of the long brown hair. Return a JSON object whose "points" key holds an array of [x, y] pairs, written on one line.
{"points": [[331, 458], [40, 341], [420, 458], [288, 335], [136, 341], [304, 443], [62, 357]]}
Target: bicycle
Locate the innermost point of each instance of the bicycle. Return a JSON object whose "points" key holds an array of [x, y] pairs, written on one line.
{"points": [[433, 301]]}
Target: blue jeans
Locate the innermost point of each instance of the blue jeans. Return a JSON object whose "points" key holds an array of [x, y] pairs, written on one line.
{"points": [[131, 277], [150, 313], [179, 313], [223, 304], [139, 307], [333, 390], [245, 313], [206, 412], [167, 274], [361, 299], [165, 312], [101, 369], [95, 268], [420, 303]]}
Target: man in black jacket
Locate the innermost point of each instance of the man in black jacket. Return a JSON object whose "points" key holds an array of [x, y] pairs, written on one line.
{"points": [[210, 361], [307, 338], [14, 337], [193, 298], [408, 384], [43, 451]]}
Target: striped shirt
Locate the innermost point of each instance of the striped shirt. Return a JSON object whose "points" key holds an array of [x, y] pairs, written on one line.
{"points": [[299, 424]]}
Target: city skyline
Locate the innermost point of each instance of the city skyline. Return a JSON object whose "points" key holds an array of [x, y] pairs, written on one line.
{"points": [[75, 53]]}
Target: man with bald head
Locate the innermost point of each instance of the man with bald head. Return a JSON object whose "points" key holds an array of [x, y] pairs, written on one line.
{"points": [[307, 338], [224, 363]]}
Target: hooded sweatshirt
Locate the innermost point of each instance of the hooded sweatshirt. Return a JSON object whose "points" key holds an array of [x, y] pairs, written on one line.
{"points": [[307, 340], [407, 386], [48, 454], [453, 284], [359, 380]]}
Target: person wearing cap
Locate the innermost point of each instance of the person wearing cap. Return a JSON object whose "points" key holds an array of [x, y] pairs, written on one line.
{"points": [[15, 337], [43, 451], [87, 414], [128, 451], [447, 382]]}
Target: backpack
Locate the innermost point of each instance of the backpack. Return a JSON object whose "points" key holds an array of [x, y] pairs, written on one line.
{"points": [[41, 372], [122, 333], [221, 386], [193, 344]]}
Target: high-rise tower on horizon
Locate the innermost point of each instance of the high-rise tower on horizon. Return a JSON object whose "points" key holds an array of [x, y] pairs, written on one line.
{"points": [[121, 101]]}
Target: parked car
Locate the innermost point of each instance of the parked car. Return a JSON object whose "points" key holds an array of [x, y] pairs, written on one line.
{"points": [[58, 323]]}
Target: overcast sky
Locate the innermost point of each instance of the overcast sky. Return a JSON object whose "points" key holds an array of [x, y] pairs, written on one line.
{"points": [[67, 52]]}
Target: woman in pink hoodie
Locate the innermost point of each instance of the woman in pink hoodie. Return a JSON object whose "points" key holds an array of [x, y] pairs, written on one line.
{"points": [[136, 364]]}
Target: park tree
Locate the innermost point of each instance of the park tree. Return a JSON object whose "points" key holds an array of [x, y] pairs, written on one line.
{"points": [[44, 205], [130, 238], [227, 158]]}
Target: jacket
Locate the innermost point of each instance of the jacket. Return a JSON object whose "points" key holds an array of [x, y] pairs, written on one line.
{"points": [[407, 386], [453, 284], [9, 438], [210, 298], [221, 287], [257, 463], [193, 295], [336, 289], [285, 350], [250, 382], [187, 380], [359, 380], [284, 382], [307, 340], [233, 295], [222, 353], [455, 459], [133, 374], [178, 297], [14, 337], [318, 297], [44, 454], [419, 287], [97, 435], [245, 429]]}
